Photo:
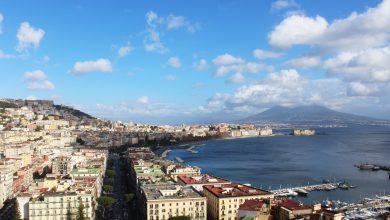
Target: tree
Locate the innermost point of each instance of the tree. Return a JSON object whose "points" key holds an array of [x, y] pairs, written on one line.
{"points": [[109, 181], [15, 211], [80, 211], [106, 202], [108, 188], [110, 173], [129, 197]]}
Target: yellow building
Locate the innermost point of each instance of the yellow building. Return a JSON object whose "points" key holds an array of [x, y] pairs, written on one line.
{"points": [[52, 206], [224, 199], [160, 202]]}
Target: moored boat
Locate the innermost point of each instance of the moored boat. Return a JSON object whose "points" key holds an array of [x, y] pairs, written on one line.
{"points": [[302, 192]]}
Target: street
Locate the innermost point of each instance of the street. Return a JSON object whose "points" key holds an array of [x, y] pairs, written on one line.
{"points": [[120, 208]]}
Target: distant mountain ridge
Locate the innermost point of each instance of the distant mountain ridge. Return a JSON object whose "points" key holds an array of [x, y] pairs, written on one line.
{"points": [[311, 115]]}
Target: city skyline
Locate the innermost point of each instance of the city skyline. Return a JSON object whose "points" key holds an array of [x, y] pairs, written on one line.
{"points": [[192, 61]]}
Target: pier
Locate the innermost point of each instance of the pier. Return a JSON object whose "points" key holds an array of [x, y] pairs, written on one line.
{"points": [[294, 191], [191, 149], [165, 153], [179, 160]]}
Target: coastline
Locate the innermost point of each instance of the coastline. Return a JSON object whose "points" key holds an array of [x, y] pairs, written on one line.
{"points": [[164, 151]]}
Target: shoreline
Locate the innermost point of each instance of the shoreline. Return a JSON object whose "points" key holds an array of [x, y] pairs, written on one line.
{"points": [[164, 151]]}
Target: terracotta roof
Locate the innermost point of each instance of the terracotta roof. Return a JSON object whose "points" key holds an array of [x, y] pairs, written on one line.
{"points": [[293, 205], [234, 190], [252, 205], [201, 179]]}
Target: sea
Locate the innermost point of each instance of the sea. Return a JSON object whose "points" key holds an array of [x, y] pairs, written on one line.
{"points": [[288, 161]]}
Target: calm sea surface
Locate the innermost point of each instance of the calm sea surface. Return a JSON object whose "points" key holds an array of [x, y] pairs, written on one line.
{"points": [[281, 161]]}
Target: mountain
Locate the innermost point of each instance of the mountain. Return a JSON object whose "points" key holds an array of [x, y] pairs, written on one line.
{"points": [[312, 115]]}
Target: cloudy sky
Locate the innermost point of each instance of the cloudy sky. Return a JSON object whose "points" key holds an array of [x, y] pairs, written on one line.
{"points": [[188, 61]]}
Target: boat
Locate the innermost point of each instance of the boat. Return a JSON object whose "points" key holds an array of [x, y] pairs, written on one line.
{"points": [[302, 192], [365, 166], [344, 185], [376, 168]]}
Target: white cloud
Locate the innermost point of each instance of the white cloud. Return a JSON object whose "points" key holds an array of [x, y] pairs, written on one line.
{"points": [[237, 78], [35, 75], [227, 63], [174, 62], [170, 77], [297, 29], [99, 65], [263, 54], [215, 103], [175, 22], [1, 23], [241, 68], [283, 4], [202, 65], [28, 36], [152, 42], [5, 55], [152, 19], [360, 89], [123, 51], [356, 32], [227, 59], [144, 100], [286, 87], [41, 85], [157, 26], [371, 65], [305, 62]]}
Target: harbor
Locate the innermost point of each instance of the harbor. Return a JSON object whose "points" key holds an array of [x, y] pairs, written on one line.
{"points": [[367, 208], [304, 190]]}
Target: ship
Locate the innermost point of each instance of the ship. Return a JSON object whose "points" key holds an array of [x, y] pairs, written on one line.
{"points": [[365, 166], [302, 192]]}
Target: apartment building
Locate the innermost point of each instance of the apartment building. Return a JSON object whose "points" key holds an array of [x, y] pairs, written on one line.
{"points": [[160, 202], [62, 165], [198, 181], [224, 199], [58, 206]]}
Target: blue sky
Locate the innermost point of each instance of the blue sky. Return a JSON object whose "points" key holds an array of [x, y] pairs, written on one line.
{"points": [[173, 61]]}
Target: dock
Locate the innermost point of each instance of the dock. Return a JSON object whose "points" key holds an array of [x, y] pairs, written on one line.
{"points": [[191, 149], [294, 191], [179, 160], [165, 153]]}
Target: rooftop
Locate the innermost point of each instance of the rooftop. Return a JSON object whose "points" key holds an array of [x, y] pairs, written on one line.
{"points": [[253, 205], [201, 179], [234, 190], [293, 205], [170, 191]]}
